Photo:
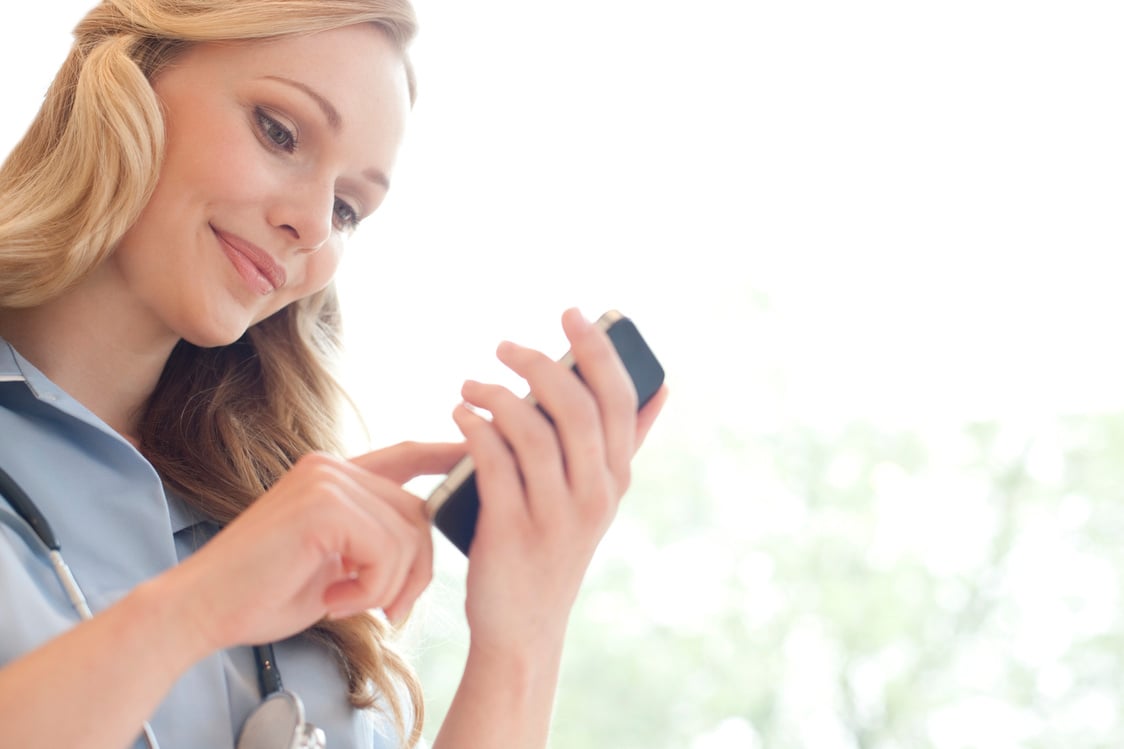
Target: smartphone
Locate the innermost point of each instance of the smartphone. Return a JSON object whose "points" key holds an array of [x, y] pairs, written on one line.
{"points": [[454, 504]]}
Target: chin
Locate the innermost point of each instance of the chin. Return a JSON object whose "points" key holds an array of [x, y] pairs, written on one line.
{"points": [[215, 335], [222, 324], [209, 341]]}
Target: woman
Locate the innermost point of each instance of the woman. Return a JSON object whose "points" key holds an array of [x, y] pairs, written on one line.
{"points": [[169, 229]]}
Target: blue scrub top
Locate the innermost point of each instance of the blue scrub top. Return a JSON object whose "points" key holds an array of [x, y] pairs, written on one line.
{"points": [[117, 526]]}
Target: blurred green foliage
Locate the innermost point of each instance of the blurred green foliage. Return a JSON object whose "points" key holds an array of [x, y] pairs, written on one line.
{"points": [[853, 587]]}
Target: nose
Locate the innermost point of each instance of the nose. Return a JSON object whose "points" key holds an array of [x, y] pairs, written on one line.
{"points": [[303, 211]]}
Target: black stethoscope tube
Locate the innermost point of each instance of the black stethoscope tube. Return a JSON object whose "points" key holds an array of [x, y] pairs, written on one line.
{"points": [[27, 510]]}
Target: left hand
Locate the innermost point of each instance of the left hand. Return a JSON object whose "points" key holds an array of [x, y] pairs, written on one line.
{"points": [[548, 492]]}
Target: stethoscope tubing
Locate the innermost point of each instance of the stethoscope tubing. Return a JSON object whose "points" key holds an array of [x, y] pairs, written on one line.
{"points": [[269, 676], [31, 515], [27, 510]]}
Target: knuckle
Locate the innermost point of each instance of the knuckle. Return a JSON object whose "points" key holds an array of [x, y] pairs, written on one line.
{"points": [[318, 466], [583, 415], [330, 495], [407, 446], [315, 459], [599, 502], [492, 396], [492, 461], [587, 452], [538, 438], [537, 357], [598, 349]]}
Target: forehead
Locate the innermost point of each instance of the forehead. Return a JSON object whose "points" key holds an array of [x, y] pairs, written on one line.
{"points": [[358, 69], [361, 48]]}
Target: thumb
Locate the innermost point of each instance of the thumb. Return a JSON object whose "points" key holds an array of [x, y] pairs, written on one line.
{"points": [[408, 460]]}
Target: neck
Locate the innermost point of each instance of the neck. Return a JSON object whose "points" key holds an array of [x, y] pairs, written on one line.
{"points": [[94, 343]]}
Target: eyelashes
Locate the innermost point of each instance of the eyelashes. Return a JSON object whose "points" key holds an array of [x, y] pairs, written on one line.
{"points": [[278, 137], [344, 216], [276, 134]]}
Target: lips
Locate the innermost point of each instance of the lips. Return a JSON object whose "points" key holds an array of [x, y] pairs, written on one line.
{"points": [[260, 271]]}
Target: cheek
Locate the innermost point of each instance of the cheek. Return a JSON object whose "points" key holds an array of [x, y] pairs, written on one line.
{"points": [[322, 266], [216, 161], [233, 172], [319, 268]]}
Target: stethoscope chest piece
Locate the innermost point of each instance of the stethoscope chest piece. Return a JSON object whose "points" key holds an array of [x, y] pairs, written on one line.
{"points": [[278, 722]]}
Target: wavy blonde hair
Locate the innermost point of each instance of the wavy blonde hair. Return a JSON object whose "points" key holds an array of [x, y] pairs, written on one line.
{"points": [[224, 423]]}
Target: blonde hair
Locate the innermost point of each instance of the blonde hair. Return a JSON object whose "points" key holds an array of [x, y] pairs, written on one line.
{"points": [[224, 423]]}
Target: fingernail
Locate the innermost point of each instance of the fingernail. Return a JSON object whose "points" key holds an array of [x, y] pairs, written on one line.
{"points": [[581, 318], [465, 409], [509, 352], [467, 386]]}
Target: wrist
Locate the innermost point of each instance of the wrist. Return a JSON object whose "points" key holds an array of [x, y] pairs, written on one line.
{"points": [[521, 670], [165, 607]]}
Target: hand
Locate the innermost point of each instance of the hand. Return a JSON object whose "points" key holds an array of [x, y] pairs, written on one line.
{"points": [[548, 492], [332, 538]]}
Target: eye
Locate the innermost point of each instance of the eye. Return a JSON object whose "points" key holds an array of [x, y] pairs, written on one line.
{"points": [[344, 216], [274, 133]]}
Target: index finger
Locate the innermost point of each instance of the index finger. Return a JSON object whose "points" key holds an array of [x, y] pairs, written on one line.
{"points": [[408, 460]]}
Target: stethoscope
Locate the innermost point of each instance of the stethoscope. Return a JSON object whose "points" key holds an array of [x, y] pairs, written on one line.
{"points": [[277, 723]]}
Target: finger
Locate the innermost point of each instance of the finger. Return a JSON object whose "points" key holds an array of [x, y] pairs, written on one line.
{"points": [[416, 582], [376, 530], [377, 500], [419, 575], [605, 375], [330, 572], [572, 425], [497, 475], [394, 560], [408, 460], [377, 487], [361, 581], [530, 435], [376, 567]]}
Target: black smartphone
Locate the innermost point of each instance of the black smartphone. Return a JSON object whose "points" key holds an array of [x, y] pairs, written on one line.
{"points": [[454, 505]]}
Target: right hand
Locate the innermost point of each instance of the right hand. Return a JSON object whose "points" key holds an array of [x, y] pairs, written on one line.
{"points": [[332, 538]]}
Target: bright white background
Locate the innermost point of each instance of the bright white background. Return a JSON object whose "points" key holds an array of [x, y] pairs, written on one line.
{"points": [[926, 198]]}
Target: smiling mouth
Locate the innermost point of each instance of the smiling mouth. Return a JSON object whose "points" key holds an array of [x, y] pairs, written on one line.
{"points": [[260, 271]]}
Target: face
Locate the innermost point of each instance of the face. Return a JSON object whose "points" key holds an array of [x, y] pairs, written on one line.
{"points": [[275, 151]]}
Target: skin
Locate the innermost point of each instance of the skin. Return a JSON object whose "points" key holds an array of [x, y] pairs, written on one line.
{"points": [[333, 536]]}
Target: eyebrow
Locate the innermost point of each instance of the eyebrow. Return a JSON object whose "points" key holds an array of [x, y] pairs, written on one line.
{"points": [[334, 120], [330, 112]]}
